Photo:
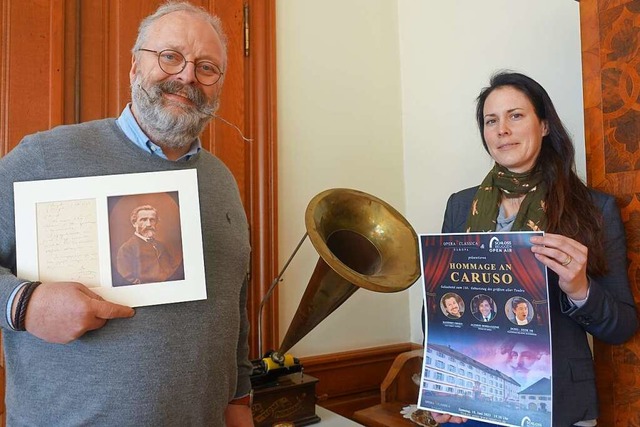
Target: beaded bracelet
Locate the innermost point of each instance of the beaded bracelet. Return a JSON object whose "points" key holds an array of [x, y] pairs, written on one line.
{"points": [[21, 307]]}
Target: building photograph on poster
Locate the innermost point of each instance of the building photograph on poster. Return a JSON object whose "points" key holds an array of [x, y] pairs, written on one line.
{"points": [[487, 339]]}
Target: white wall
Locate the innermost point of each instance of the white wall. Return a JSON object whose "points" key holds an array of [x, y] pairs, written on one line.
{"points": [[338, 126], [448, 51], [378, 95]]}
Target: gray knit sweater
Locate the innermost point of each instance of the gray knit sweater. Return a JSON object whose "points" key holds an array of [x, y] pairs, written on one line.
{"points": [[173, 364]]}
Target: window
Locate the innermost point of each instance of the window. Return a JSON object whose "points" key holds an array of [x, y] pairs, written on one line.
{"points": [[439, 364], [429, 360], [450, 379], [439, 376]]}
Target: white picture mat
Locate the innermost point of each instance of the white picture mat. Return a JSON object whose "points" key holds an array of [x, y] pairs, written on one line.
{"points": [[99, 188]]}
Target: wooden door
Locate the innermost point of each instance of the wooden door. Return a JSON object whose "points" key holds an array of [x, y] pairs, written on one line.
{"points": [[610, 32], [67, 61]]}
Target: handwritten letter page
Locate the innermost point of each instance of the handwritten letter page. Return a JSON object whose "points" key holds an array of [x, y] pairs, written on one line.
{"points": [[68, 241]]}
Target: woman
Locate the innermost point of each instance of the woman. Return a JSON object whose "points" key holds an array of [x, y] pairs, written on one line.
{"points": [[533, 186]]}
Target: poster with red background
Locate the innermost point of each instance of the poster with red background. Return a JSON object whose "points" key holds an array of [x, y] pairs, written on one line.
{"points": [[487, 329]]}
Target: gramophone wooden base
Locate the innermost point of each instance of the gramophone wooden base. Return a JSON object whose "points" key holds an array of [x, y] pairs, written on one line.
{"points": [[292, 399]]}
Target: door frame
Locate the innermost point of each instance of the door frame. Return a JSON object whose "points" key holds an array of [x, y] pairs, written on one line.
{"points": [[262, 206]]}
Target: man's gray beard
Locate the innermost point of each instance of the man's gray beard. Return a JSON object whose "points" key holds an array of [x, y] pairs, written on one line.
{"points": [[163, 126], [148, 233]]}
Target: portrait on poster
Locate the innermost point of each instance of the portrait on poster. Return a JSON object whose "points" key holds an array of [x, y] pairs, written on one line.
{"points": [[483, 308], [452, 305], [124, 236], [519, 311]]}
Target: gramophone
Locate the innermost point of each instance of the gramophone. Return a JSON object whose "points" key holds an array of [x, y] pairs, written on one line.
{"points": [[363, 242]]}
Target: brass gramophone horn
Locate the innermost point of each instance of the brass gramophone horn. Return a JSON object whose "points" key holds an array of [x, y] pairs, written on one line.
{"points": [[363, 242]]}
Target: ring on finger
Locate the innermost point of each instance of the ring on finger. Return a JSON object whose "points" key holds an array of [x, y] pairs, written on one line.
{"points": [[567, 261]]}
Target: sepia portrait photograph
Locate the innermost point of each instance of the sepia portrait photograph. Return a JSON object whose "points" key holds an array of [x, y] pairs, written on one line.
{"points": [[145, 238]]}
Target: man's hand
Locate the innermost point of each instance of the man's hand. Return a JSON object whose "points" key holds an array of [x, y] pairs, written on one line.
{"points": [[60, 312], [446, 418], [238, 416]]}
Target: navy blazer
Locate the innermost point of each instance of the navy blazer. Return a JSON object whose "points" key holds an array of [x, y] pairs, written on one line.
{"points": [[609, 313]]}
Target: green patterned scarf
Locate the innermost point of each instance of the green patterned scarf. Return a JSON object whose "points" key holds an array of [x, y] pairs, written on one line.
{"points": [[500, 181]]}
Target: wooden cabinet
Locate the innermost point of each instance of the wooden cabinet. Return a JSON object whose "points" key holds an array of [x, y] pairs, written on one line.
{"points": [[67, 61], [610, 33]]}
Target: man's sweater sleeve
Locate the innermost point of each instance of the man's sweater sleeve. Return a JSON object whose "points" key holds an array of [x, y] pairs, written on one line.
{"points": [[245, 367], [23, 163]]}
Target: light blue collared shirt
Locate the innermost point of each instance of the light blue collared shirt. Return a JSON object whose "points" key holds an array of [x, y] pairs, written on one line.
{"points": [[132, 130]]}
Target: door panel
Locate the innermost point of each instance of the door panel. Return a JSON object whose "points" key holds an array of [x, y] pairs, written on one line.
{"points": [[610, 37], [31, 67]]}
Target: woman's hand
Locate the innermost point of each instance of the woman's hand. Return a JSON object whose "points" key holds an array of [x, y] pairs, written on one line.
{"points": [[446, 418], [568, 259]]}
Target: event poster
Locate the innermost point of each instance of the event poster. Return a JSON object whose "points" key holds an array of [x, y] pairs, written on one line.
{"points": [[487, 334]]}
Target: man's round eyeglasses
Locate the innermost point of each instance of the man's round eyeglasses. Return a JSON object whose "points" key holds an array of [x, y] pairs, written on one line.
{"points": [[173, 62]]}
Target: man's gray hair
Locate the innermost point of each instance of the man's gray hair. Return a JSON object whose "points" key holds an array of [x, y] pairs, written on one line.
{"points": [[134, 212], [180, 6]]}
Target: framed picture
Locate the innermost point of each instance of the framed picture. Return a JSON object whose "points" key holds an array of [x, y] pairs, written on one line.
{"points": [[134, 239]]}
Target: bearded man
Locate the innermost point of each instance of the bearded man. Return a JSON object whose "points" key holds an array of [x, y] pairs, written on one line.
{"points": [[143, 258], [172, 364]]}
